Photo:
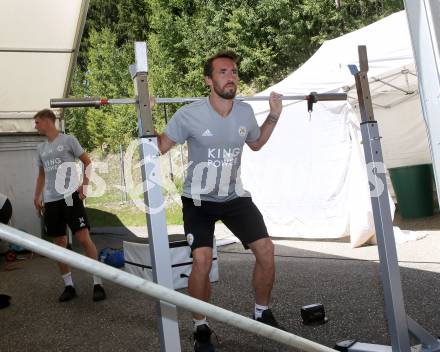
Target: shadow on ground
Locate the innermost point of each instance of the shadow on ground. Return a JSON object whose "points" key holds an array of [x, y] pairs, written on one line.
{"points": [[103, 218]]}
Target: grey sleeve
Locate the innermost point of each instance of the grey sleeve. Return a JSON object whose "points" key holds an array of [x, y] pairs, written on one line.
{"points": [[76, 148], [254, 130], [176, 129], [39, 161]]}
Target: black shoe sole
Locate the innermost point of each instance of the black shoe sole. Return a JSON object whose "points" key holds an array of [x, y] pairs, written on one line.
{"points": [[97, 299], [67, 299], [100, 296]]}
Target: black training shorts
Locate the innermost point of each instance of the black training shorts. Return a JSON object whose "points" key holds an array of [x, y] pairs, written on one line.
{"points": [[240, 215], [60, 213], [6, 212]]}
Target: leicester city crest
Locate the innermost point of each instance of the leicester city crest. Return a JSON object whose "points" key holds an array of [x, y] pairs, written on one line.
{"points": [[190, 239], [242, 131]]}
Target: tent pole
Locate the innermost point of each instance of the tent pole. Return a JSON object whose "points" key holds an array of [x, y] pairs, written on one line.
{"points": [[425, 36]]}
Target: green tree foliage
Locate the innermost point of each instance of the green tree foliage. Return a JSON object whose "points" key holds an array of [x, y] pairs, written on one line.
{"points": [[127, 19], [106, 75], [273, 37], [76, 119]]}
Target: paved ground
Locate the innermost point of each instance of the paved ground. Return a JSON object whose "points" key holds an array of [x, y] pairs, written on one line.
{"points": [[345, 280]]}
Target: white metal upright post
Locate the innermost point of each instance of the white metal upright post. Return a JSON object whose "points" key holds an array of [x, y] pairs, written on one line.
{"points": [[154, 201]]}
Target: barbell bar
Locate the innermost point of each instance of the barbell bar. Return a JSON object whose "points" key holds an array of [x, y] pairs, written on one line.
{"points": [[97, 102]]}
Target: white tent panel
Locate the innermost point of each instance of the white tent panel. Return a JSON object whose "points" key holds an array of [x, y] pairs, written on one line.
{"points": [[405, 140], [39, 41], [423, 18], [42, 24], [45, 72]]}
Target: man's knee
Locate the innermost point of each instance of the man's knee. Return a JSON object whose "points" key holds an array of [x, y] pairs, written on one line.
{"points": [[83, 237], [202, 260], [263, 249], [60, 241]]}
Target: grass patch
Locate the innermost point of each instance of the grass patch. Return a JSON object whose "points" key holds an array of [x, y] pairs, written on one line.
{"points": [[106, 198], [127, 215], [107, 210]]}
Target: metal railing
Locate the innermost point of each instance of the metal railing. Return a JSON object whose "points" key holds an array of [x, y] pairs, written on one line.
{"points": [[154, 290]]}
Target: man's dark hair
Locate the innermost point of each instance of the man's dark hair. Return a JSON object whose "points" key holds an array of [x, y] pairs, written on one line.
{"points": [[45, 113], [207, 70]]}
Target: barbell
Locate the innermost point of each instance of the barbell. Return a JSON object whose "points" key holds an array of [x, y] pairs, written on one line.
{"points": [[97, 102]]}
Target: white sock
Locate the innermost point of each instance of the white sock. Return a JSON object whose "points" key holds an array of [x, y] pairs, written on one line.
{"points": [[199, 322], [67, 279], [97, 280], [259, 310]]}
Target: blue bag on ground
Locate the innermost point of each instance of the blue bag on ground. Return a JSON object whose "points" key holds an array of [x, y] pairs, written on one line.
{"points": [[112, 256]]}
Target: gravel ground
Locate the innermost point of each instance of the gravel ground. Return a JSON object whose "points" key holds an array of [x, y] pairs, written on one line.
{"points": [[345, 280]]}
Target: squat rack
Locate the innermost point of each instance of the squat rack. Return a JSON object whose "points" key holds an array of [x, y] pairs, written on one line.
{"points": [[399, 323]]}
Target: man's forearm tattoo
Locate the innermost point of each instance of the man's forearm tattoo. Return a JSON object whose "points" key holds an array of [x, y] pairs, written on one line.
{"points": [[271, 119]]}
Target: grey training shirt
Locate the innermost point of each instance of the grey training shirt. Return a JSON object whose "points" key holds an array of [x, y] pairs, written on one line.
{"points": [[3, 199], [57, 158], [215, 146]]}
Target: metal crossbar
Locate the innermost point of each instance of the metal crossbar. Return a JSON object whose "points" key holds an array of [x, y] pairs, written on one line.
{"points": [[97, 102]]}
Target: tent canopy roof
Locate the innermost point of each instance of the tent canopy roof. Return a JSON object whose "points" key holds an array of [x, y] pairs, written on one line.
{"points": [[39, 42]]}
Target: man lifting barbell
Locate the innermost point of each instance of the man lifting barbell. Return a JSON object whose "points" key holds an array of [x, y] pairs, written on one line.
{"points": [[216, 129]]}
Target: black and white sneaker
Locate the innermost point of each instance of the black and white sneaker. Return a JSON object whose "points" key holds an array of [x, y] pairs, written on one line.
{"points": [[268, 319], [98, 293], [68, 294], [4, 301], [202, 339]]}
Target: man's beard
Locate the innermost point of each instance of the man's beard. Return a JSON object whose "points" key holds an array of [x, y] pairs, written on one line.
{"points": [[226, 93]]}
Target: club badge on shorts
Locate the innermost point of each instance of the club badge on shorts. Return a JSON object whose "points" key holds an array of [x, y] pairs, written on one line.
{"points": [[190, 239], [242, 131], [81, 222]]}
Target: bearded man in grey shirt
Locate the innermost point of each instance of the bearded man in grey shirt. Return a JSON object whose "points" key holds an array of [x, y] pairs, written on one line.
{"points": [[216, 130], [62, 203]]}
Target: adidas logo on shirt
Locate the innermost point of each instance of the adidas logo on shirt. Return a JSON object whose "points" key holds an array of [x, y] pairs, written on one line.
{"points": [[207, 133]]}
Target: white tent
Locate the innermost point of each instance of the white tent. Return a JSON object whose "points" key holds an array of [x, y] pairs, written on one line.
{"points": [[313, 170]]}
